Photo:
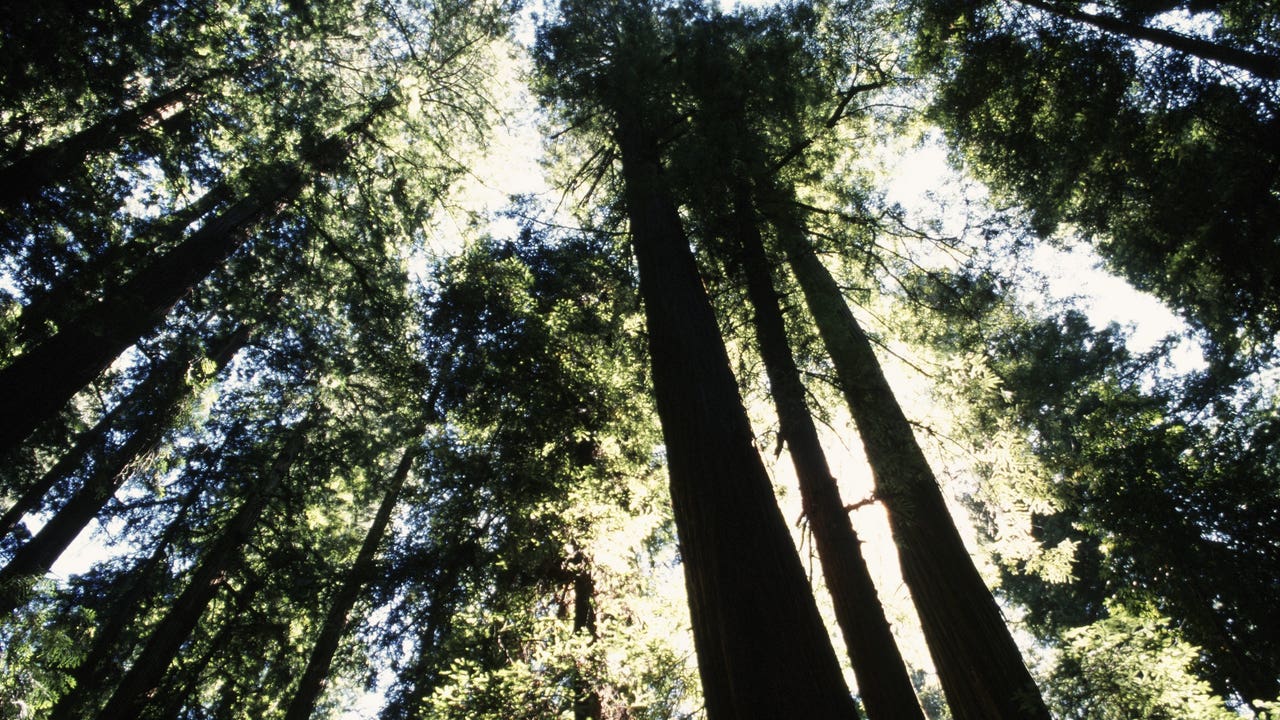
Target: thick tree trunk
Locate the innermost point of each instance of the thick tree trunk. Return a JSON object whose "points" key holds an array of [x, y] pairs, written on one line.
{"points": [[53, 164], [37, 384], [155, 399], [108, 473], [139, 684], [335, 624], [114, 619], [1259, 64], [979, 664], [762, 649], [62, 303], [883, 682]]}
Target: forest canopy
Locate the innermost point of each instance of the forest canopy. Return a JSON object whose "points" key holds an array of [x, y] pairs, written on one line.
{"points": [[639, 359]]}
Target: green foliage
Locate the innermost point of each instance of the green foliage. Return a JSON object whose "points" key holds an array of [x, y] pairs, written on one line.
{"points": [[1127, 667]]}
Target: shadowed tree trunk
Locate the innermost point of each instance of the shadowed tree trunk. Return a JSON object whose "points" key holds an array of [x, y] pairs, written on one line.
{"points": [[114, 619], [109, 472], [762, 649], [1259, 64], [178, 692], [52, 164], [140, 683], [883, 682], [49, 310], [586, 699], [979, 664], [157, 399], [335, 624], [38, 383]]}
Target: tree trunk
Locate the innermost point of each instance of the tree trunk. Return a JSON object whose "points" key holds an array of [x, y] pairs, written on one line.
{"points": [[116, 617], [178, 692], [109, 472], [762, 648], [1261, 65], [52, 164], [47, 311], [143, 678], [883, 682], [37, 384], [979, 664], [156, 399], [586, 699], [335, 624]]}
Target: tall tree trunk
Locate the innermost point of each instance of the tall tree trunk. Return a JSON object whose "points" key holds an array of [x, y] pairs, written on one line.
{"points": [[762, 648], [108, 473], [586, 699], [116, 617], [53, 164], [883, 682], [979, 664], [1259, 64], [143, 678], [335, 623], [49, 310], [177, 693], [156, 399], [37, 384]]}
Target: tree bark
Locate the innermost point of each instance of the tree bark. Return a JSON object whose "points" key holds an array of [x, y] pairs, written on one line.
{"points": [[883, 682], [37, 384], [26, 177], [762, 648], [335, 624], [156, 399], [1259, 64], [116, 617], [143, 678], [108, 473], [979, 664], [586, 699]]}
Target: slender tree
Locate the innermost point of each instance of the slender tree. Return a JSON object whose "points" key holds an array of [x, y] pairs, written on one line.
{"points": [[313, 678], [109, 472], [979, 664], [146, 671], [34, 386], [1260, 64], [883, 683]]}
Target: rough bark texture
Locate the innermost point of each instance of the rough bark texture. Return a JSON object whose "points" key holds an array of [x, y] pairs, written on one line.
{"points": [[979, 664], [762, 649], [883, 682], [335, 624], [1260, 64], [140, 683], [154, 414]]}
